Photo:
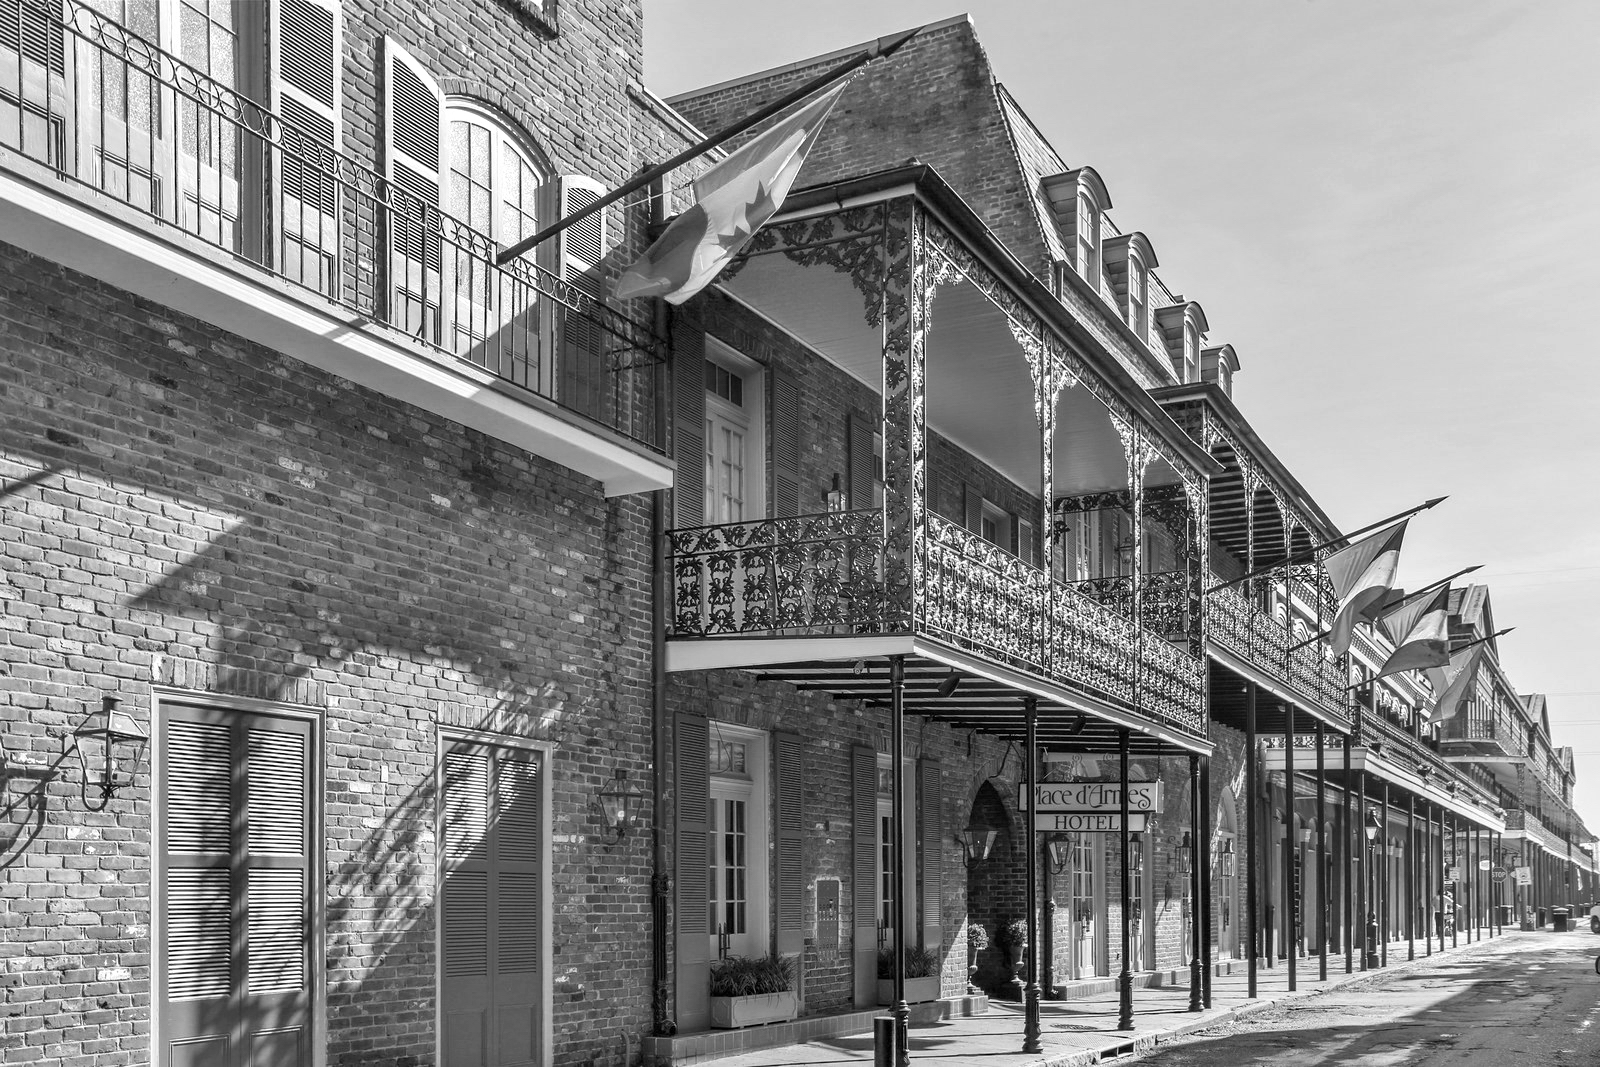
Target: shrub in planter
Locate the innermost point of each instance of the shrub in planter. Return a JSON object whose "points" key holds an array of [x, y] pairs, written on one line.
{"points": [[750, 990], [922, 975]]}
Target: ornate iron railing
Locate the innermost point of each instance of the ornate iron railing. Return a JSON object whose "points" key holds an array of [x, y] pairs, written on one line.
{"points": [[106, 109], [1164, 599], [1261, 640], [983, 598], [823, 574], [814, 574]]}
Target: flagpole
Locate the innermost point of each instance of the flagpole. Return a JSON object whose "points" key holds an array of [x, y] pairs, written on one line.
{"points": [[1314, 549], [1453, 651], [883, 46], [1430, 587]]}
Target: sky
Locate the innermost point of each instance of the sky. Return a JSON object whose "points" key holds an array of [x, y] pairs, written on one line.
{"points": [[1390, 210]]}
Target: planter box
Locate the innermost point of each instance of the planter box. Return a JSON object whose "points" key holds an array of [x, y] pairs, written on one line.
{"points": [[917, 990], [730, 1013]]}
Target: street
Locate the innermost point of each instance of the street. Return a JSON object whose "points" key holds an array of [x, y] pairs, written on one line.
{"points": [[1519, 999]]}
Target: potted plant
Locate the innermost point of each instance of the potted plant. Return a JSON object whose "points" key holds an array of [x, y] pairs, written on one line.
{"points": [[1013, 938], [751, 990], [977, 941], [922, 975]]}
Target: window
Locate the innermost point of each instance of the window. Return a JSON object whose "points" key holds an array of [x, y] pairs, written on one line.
{"points": [[1191, 354], [735, 453], [736, 870], [494, 186], [1088, 239], [886, 931], [1138, 299]]}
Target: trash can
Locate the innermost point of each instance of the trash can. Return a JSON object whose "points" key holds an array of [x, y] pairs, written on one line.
{"points": [[1542, 917], [1559, 917], [1506, 918]]}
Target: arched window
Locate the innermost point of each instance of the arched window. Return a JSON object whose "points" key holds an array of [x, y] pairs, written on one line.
{"points": [[1088, 239], [495, 183], [1137, 297]]}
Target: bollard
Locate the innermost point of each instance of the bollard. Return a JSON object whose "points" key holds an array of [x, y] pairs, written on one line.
{"points": [[883, 1050]]}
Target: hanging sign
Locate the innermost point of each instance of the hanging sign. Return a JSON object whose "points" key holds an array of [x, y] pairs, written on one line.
{"points": [[1484, 865], [1088, 822], [1453, 874], [1143, 797]]}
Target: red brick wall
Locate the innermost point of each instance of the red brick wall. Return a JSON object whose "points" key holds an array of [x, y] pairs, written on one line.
{"points": [[216, 516]]}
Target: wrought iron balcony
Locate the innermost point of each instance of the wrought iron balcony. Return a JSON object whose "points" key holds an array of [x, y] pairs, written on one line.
{"points": [[126, 125], [824, 576], [1264, 643]]}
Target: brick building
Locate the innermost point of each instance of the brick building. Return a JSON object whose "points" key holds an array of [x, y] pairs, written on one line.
{"points": [[353, 523], [412, 567]]}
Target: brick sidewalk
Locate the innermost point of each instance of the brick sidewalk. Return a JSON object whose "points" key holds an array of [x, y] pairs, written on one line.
{"points": [[1082, 1031]]}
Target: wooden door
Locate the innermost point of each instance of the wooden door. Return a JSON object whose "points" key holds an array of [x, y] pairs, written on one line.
{"points": [[234, 975], [491, 907]]}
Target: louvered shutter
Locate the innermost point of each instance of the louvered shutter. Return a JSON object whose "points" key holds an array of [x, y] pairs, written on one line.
{"points": [[307, 93], [789, 797], [786, 446], [692, 800], [236, 889], [864, 882], [930, 824], [464, 906], [1025, 539], [518, 907], [491, 905], [689, 423], [972, 505], [414, 164], [33, 65], [582, 371], [862, 468]]}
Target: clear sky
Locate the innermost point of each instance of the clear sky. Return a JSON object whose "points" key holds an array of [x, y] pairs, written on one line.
{"points": [[1391, 210]]}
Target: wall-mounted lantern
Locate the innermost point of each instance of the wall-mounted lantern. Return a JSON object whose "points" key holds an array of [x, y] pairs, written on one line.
{"points": [[619, 804], [1186, 855], [1060, 852], [977, 840], [110, 745], [1227, 857]]}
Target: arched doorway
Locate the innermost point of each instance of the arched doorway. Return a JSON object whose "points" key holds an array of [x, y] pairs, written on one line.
{"points": [[994, 888], [1225, 871]]}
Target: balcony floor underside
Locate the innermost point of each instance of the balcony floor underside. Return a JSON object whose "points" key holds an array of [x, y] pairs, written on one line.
{"points": [[1229, 676], [988, 699], [1378, 772]]}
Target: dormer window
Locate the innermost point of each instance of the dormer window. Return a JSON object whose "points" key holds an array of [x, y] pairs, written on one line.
{"points": [[1078, 198], [1219, 365], [1182, 327], [1088, 240], [1138, 298]]}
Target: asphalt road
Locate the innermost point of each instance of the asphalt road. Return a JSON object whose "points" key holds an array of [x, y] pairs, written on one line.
{"points": [[1521, 1000]]}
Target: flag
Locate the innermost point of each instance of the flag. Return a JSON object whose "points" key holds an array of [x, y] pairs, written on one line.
{"points": [[1420, 631], [1362, 575], [732, 200], [1452, 683]]}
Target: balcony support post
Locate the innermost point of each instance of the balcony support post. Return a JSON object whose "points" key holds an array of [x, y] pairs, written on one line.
{"points": [[1125, 979], [1203, 864], [1291, 849], [1322, 860], [1348, 936], [1369, 959], [905, 302], [1383, 881], [1455, 859], [897, 745], [1252, 779], [1030, 756], [1427, 879], [1195, 844], [1411, 876]]}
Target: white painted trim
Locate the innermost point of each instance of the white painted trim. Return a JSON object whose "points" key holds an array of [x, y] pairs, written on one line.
{"points": [[715, 652], [86, 233], [316, 852]]}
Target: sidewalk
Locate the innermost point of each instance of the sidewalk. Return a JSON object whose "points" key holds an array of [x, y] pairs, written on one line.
{"points": [[1083, 1031]]}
